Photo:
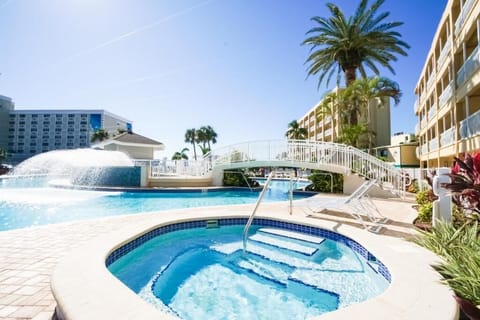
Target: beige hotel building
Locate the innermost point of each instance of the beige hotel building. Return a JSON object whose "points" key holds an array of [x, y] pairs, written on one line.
{"points": [[448, 89]]}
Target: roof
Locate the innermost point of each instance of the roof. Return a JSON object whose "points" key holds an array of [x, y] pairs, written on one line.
{"points": [[134, 139]]}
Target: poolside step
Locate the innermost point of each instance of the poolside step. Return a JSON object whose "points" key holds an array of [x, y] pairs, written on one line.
{"points": [[293, 235], [264, 270], [284, 244]]}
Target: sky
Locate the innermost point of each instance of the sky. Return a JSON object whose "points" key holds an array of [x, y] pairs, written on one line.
{"points": [[172, 65]]}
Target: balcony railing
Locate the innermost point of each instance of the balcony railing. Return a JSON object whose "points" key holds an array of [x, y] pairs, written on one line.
{"points": [[433, 144], [447, 137], [469, 67], [432, 112], [328, 132], [416, 106], [463, 16], [431, 80], [446, 95], [470, 126], [423, 123], [417, 128], [424, 149], [444, 54], [327, 120]]}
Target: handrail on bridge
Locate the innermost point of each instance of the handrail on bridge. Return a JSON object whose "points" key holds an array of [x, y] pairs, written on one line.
{"points": [[250, 219]]}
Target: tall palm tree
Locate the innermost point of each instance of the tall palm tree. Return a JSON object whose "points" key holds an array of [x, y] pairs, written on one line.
{"points": [[296, 132], [181, 155], [340, 44], [362, 92], [209, 134], [191, 137]]}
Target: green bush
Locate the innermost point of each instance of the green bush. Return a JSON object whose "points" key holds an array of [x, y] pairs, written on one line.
{"points": [[425, 196], [237, 179], [425, 212], [321, 182]]}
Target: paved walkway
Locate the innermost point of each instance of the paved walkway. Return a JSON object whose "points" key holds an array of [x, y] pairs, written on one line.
{"points": [[29, 256]]}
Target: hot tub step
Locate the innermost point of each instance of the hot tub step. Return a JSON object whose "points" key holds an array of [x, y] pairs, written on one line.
{"points": [[293, 235], [284, 244]]}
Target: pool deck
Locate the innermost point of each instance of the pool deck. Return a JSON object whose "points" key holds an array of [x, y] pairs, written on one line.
{"points": [[29, 256]]}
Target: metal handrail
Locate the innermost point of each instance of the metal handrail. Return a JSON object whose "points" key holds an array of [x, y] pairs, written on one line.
{"points": [[250, 219], [244, 178]]}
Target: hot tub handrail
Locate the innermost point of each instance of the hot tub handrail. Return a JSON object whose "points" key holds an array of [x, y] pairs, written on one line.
{"points": [[250, 219]]}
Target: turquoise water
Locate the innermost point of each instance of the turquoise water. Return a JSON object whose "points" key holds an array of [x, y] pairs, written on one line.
{"points": [[203, 274], [26, 203]]}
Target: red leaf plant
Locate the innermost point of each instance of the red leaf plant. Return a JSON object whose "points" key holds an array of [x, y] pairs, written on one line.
{"points": [[465, 183]]}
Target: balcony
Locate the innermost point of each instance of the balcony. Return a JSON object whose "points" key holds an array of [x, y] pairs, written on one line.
{"points": [[432, 112], [470, 126], [433, 144], [469, 67], [417, 129], [328, 132], [447, 137], [327, 119], [423, 123], [444, 54], [424, 149], [446, 95], [431, 80], [416, 106], [463, 16]]}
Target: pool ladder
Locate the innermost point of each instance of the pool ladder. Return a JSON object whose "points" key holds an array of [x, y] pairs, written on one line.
{"points": [[250, 219]]}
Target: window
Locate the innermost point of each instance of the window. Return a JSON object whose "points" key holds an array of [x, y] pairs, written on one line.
{"points": [[46, 130], [33, 151], [21, 130], [32, 144], [33, 130], [71, 123], [58, 123], [34, 115], [45, 144], [58, 130], [22, 116]]}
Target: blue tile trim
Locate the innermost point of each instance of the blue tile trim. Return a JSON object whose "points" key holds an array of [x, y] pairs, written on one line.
{"points": [[327, 234]]}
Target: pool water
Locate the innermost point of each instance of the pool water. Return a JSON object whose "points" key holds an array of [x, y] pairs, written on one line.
{"points": [[204, 274], [27, 203]]}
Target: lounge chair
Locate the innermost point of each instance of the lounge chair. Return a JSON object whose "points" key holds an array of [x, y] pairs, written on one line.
{"points": [[356, 205]]}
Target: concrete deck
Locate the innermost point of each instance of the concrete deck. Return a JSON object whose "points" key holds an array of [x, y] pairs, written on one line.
{"points": [[29, 256]]}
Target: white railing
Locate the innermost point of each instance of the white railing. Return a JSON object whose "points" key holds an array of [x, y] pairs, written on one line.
{"points": [[308, 154], [431, 80], [416, 106], [446, 95], [328, 120], [463, 15], [444, 54], [447, 137], [469, 67], [423, 123], [424, 149], [470, 126], [432, 112], [417, 128], [417, 152], [162, 168], [433, 144], [328, 132]]}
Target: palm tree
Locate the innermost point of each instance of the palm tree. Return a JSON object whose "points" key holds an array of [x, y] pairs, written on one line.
{"points": [[191, 137], [296, 132], [99, 135], [209, 135], [335, 105], [339, 44], [362, 92], [181, 155], [352, 135]]}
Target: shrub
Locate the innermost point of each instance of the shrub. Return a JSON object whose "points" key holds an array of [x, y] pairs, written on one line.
{"points": [[238, 179], [425, 212], [321, 182], [425, 196]]}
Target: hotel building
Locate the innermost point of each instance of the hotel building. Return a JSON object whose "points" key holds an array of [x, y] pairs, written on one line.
{"points": [[327, 128], [25, 133], [448, 89]]}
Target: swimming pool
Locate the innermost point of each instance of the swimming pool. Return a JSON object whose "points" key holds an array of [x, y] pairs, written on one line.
{"points": [[25, 203], [290, 271]]}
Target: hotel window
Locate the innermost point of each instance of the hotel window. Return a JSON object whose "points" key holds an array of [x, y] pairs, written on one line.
{"points": [[21, 130], [32, 144], [33, 137], [33, 151], [46, 123], [11, 130], [57, 144], [11, 123], [33, 130], [46, 130], [71, 115], [22, 122], [11, 137], [71, 122], [34, 115], [22, 116], [58, 123], [70, 130], [58, 130], [58, 137], [45, 144]]}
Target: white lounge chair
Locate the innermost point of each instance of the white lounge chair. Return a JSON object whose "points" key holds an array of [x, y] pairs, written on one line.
{"points": [[357, 204]]}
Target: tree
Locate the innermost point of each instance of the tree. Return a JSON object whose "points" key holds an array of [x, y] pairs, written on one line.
{"points": [[296, 132], [181, 155], [191, 137], [208, 135], [362, 92], [99, 135], [349, 44], [352, 135]]}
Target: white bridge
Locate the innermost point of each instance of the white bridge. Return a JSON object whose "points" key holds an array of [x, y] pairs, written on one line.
{"points": [[326, 156]]}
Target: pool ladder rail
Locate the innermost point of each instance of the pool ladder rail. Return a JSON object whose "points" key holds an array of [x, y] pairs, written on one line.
{"points": [[250, 219]]}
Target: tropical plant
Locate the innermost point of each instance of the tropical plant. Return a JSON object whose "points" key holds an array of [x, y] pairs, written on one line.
{"points": [[355, 135], [322, 181], [191, 137], [207, 135], [340, 44], [238, 178], [296, 132], [181, 155], [465, 183], [99, 135], [363, 92]]}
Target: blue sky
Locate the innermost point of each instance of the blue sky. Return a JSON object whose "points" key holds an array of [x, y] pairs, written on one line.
{"points": [[168, 66]]}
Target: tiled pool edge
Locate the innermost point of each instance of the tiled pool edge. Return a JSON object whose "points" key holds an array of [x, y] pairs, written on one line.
{"points": [[426, 298], [202, 223]]}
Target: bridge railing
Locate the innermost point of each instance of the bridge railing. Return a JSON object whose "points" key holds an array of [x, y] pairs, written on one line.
{"points": [[161, 168], [303, 152]]}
